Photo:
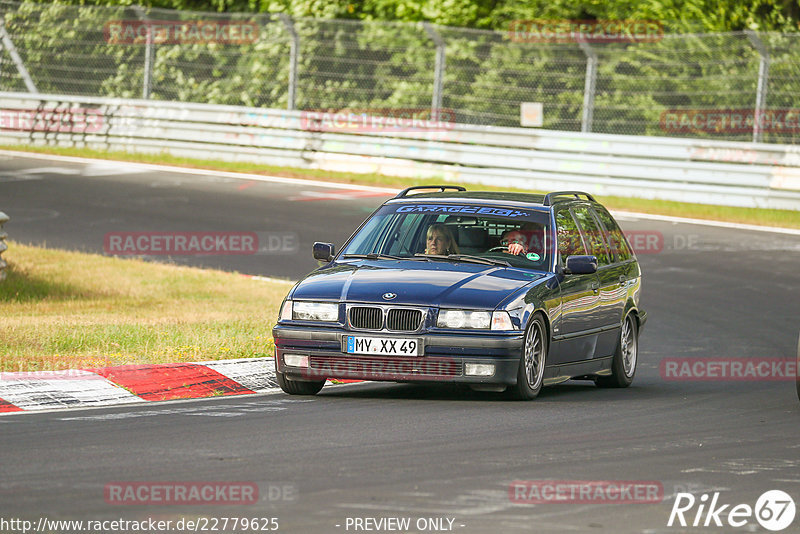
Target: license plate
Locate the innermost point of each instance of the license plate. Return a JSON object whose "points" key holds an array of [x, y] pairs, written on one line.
{"points": [[382, 346]]}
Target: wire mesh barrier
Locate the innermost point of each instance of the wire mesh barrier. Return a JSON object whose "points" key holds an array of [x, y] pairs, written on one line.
{"points": [[737, 86]]}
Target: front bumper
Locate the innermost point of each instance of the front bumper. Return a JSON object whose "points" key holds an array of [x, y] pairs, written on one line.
{"points": [[444, 359]]}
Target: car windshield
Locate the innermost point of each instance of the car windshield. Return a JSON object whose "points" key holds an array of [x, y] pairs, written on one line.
{"points": [[475, 233]]}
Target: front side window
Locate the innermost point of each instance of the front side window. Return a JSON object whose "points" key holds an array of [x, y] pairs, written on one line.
{"points": [[570, 241], [415, 230]]}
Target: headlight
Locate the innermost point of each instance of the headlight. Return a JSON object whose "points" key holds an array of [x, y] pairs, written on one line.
{"points": [[315, 311], [478, 320], [464, 319]]}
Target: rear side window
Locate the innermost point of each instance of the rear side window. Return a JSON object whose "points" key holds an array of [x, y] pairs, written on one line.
{"points": [[593, 235], [614, 236]]}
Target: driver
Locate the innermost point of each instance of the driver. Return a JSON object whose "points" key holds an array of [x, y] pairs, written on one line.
{"points": [[527, 239]]}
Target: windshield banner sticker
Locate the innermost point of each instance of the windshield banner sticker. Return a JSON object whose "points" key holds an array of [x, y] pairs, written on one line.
{"points": [[477, 210]]}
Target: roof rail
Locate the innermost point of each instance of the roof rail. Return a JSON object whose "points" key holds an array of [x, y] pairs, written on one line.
{"points": [[550, 197], [441, 189]]}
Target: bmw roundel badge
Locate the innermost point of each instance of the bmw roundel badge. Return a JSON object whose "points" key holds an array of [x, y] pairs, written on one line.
{"points": [[389, 296]]}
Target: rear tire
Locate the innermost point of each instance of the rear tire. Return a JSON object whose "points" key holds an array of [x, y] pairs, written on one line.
{"points": [[298, 387], [530, 374], [623, 368]]}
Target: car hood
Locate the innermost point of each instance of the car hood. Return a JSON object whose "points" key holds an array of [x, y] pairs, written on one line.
{"points": [[434, 283]]}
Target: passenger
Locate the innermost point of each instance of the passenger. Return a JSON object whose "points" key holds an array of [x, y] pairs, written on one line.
{"points": [[440, 240]]}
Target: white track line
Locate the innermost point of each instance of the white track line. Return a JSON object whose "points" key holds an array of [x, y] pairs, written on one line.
{"points": [[205, 172], [337, 185], [706, 222]]}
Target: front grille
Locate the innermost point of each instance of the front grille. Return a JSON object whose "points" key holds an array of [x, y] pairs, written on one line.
{"points": [[403, 320], [384, 317], [366, 317], [387, 368]]}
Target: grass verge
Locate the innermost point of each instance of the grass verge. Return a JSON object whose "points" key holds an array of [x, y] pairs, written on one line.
{"points": [[70, 310], [763, 217]]}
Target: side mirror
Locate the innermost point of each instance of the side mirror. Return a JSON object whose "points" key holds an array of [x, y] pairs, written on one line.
{"points": [[581, 265], [323, 251]]}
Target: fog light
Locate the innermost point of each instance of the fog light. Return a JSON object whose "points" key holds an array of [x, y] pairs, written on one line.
{"points": [[295, 360], [479, 369]]}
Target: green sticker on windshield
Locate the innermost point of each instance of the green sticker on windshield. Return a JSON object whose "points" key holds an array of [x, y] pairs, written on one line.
{"points": [[532, 256]]}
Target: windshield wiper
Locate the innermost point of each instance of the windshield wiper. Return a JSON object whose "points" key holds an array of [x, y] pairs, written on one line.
{"points": [[465, 258], [478, 259], [373, 256]]}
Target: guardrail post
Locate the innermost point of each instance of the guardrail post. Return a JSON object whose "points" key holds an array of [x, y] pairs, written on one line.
{"points": [[588, 86], [763, 82], [294, 48], [8, 44], [438, 69], [149, 55], [3, 247]]}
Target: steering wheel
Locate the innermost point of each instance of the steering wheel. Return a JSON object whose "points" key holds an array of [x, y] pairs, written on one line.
{"points": [[498, 249]]}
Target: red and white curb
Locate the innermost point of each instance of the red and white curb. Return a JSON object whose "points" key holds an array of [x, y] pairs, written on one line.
{"points": [[126, 384]]}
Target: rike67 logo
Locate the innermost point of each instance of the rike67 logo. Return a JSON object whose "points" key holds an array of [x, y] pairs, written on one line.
{"points": [[774, 510]]}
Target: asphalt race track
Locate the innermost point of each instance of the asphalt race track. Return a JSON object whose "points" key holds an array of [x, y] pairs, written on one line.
{"points": [[64, 205], [405, 451]]}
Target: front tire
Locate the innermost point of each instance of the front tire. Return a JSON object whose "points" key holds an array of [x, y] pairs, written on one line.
{"points": [[530, 374], [623, 368], [298, 387]]}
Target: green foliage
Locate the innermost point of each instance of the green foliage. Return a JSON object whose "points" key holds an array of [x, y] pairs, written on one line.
{"points": [[677, 15], [373, 63]]}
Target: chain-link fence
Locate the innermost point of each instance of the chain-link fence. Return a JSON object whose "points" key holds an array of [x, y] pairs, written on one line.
{"points": [[698, 85]]}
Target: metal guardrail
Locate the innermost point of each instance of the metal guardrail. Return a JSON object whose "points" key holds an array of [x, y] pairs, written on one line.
{"points": [[3, 247], [688, 170]]}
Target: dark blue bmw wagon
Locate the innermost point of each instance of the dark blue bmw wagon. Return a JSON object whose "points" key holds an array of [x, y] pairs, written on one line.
{"points": [[500, 291]]}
